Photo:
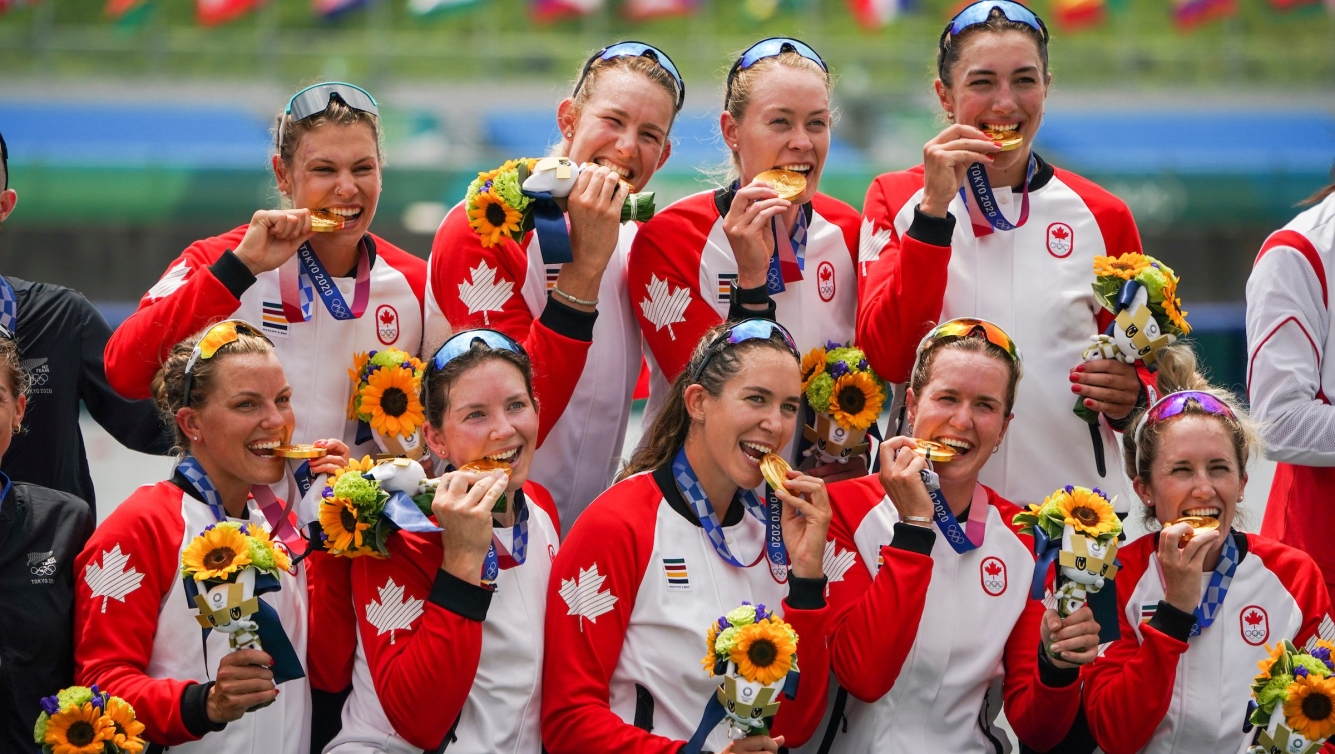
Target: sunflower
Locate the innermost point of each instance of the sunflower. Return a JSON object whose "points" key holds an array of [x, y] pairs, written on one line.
{"points": [[79, 730], [1265, 665], [1086, 510], [217, 553], [1126, 267], [359, 362], [763, 652], [338, 519], [711, 657], [856, 401], [1172, 306], [1310, 708], [127, 729], [491, 217], [360, 467], [812, 364], [277, 550], [390, 398]]}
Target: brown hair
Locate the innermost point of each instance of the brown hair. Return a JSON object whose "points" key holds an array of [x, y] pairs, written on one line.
{"points": [[647, 67], [948, 53], [743, 87], [11, 368], [668, 431], [169, 383], [287, 131], [436, 383], [1321, 193], [922, 367]]}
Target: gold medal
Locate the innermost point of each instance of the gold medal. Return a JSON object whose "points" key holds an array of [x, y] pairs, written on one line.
{"points": [[486, 465], [1198, 524], [300, 451], [788, 183], [775, 470], [325, 222], [934, 451], [1007, 139]]}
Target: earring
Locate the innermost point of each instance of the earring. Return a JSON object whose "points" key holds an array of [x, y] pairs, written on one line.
{"points": [[195, 438], [570, 134], [997, 448], [16, 429], [950, 116]]}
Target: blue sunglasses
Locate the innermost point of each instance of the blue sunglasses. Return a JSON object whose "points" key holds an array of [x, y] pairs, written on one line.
{"points": [[747, 329], [770, 48], [462, 343], [315, 99], [979, 12], [634, 50]]}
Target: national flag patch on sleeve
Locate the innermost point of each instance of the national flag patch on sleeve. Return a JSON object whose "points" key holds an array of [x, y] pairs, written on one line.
{"points": [[272, 320], [675, 570], [1147, 612]]}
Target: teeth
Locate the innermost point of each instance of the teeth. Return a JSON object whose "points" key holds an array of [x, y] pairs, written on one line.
{"points": [[1001, 127], [758, 446], [1212, 512], [624, 173], [957, 444], [342, 212], [266, 445], [507, 455], [795, 168]]}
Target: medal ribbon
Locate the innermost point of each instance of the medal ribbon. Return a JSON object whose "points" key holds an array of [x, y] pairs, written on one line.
{"points": [[984, 211], [689, 484], [9, 307], [274, 511], [405, 515], [961, 540], [298, 284], [790, 258], [1220, 581]]}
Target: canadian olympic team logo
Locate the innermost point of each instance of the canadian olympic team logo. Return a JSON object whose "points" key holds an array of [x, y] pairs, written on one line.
{"points": [[825, 281], [1255, 625], [386, 324], [992, 572], [1061, 240], [551, 553]]}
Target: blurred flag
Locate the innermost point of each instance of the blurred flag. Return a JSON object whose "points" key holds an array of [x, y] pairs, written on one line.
{"points": [[645, 10], [334, 8], [1190, 13], [214, 12], [874, 14], [555, 10], [431, 7], [760, 10], [117, 9], [1284, 5], [1073, 15]]}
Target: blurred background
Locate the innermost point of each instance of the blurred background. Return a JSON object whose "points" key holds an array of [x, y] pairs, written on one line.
{"points": [[138, 126]]}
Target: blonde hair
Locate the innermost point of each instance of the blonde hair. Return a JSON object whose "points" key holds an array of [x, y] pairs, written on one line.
{"points": [[169, 383], [743, 87], [647, 67], [922, 367]]}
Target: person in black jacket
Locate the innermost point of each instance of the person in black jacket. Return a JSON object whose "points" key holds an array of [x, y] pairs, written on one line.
{"points": [[41, 531], [61, 337]]}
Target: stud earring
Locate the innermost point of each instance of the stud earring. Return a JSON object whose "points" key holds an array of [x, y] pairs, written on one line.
{"points": [[570, 134], [196, 438]]}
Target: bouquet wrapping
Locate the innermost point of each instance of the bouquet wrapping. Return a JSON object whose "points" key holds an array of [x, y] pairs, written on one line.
{"points": [[1077, 528], [365, 502], [1293, 699], [846, 396], [87, 721], [385, 389]]}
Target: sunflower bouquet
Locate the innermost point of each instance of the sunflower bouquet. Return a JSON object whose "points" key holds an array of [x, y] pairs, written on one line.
{"points": [[755, 653], [83, 720], [1293, 698], [846, 395], [1078, 528], [507, 201], [225, 569], [358, 511], [385, 389]]}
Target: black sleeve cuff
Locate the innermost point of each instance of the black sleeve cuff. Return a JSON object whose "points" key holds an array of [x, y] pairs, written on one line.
{"points": [[460, 597], [195, 710], [233, 273], [936, 231], [917, 539], [563, 319], [1052, 676], [737, 312], [1123, 424], [1172, 621], [806, 594]]}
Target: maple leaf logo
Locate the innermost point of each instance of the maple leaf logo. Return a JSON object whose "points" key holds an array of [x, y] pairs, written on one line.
{"points": [[583, 597], [835, 563], [386, 317], [826, 273], [871, 242], [113, 579], [992, 569], [393, 612], [1059, 233], [665, 307], [484, 293], [1253, 618]]}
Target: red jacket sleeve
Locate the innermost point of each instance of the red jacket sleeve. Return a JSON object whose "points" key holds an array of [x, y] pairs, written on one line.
{"points": [[333, 622], [902, 286], [188, 298], [888, 607], [664, 282], [1040, 700], [121, 578], [422, 631]]}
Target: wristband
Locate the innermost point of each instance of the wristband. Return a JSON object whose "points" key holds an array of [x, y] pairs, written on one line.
{"points": [[756, 296], [572, 299], [917, 520]]}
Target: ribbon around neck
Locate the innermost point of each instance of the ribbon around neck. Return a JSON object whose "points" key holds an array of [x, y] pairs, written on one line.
{"points": [[960, 540], [549, 222], [300, 281], [695, 496], [404, 514], [1222, 578], [790, 256], [985, 212]]}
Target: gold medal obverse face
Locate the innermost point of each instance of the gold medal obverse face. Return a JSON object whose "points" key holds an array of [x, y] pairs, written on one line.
{"points": [[934, 451], [1008, 139], [325, 222], [788, 183], [303, 450], [775, 470], [1198, 524], [485, 465]]}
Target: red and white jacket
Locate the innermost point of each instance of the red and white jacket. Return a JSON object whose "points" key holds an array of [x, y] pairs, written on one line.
{"points": [[422, 636], [923, 632], [135, 633], [682, 266], [624, 641], [506, 288], [1156, 690], [1290, 382], [1033, 281]]}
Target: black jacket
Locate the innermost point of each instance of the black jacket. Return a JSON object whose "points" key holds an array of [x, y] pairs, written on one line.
{"points": [[61, 337], [41, 532]]}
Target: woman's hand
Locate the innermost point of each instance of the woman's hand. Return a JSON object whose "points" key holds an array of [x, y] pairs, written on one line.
{"points": [[1073, 641], [273, 237], [463, 512], [945, 160], [335, 458], [1108, 386], [834, 471], [747, 226], [805, 521], [594, 205], [244, 681], [754, 744], [1182, 566], [901, 477]]}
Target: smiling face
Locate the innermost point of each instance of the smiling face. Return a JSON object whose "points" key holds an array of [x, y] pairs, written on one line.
{"points": [[623, 125], [962, 405], [245, 415], [786, 125], [998, 84], [489, 415], [335, 168], [1195, 473]]}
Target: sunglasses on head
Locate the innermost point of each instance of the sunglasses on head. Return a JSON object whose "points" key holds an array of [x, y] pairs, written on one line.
{"points": [[966, 327], [227, 331], [315, 99], [1175, 404], [634, 50], [979, 12], [4, 158], [462, 343], [770, 48], [747, 329]]}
